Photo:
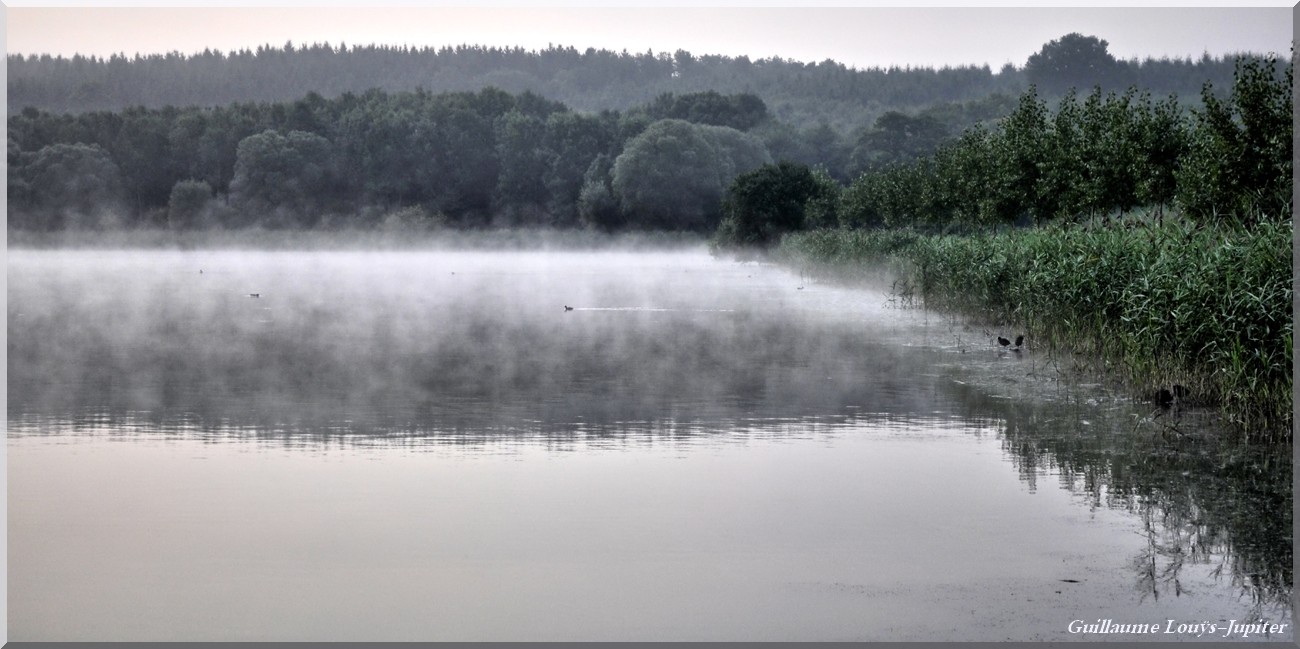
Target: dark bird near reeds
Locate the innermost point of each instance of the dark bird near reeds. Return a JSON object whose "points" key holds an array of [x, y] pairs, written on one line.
{"points": [[1164, 398], [1167, 397], [1020, 340], [1003, 341], [568, 308]]}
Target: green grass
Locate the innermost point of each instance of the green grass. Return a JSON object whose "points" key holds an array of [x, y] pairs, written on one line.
{"points": [[1209, 308]]}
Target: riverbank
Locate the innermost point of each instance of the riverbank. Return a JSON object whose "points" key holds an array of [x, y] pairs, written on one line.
{"points": [[1154, 305]]}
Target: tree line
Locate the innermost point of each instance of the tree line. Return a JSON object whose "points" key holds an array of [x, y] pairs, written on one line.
{"points": [[490, 157], [803, 94], [1104, 153], [410, 159]]}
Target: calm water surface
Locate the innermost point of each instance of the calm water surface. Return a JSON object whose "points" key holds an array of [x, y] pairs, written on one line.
{"points": [[429, 446]]}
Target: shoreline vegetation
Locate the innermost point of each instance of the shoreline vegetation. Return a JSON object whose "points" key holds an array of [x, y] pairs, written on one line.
{"points": [[1152, 304], [1153, 245]]}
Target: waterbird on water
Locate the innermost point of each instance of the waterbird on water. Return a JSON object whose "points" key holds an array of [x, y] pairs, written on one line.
{"points": [[254, 295], [568, 308], [1003, 341], [1020, 340]]}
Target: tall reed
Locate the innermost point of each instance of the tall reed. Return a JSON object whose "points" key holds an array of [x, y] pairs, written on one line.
{"points": [[1208, 308]]}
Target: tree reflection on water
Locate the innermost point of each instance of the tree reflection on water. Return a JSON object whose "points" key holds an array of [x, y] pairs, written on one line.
{"points": [[1204, 497]]}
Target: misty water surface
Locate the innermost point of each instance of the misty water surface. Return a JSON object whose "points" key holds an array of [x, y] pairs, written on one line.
{"points": [[429, 445]]}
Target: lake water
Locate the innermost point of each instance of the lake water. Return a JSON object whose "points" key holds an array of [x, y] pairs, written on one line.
{"points": [[429, 446]]}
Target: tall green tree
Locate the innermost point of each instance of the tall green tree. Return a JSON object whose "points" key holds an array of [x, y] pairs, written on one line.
{"points": [[821, 210], [898, 137], [572, 142], [1162, 142], [1239, 158], [673, 175], [141, 149], [66, 186], [598, 208], [284, 180], [520, 195], [1074, 61], [765, 203], [1020, 148], [190, 205]]}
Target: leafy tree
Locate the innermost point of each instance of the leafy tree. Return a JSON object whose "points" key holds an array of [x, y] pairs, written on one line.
{"points": [[19, 190], [520, 195], [393, 146], [1112, 154], [763, 204], [468, 169], [1020, 149], [597, 206], [741, 112], [672, 176], [310, 114], [819, 145], [897, 137], [66, 186], [822, 208], [572, 142], [1074, 61], [737, 152], [283, 180], [141, 148], [783, 141], [1060, 192], [860, 203], [1162, 142], [189, 203], [1239, 157], [966, 179]]}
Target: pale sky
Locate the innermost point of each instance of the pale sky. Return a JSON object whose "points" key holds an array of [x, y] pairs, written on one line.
{"points": [[857, 36]]}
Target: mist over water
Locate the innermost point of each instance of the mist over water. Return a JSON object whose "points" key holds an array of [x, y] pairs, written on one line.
{"points": [[432, 343], [428, 445]]}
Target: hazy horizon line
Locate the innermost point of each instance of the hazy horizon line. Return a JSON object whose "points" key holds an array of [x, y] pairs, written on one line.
{"points": [[343, 47], [857, 37]]}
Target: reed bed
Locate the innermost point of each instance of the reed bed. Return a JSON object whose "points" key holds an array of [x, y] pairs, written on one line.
{"points": [[1156, 305]]}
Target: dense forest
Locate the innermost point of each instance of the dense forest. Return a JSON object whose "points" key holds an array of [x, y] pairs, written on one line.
{"points": [[223, 146], [798, 93], [409, 159], [802, 94]]}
